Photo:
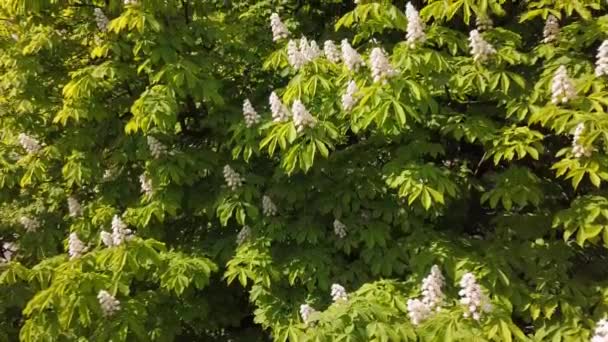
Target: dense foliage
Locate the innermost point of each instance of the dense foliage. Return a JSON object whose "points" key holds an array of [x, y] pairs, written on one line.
{"points": [[371, 170]]}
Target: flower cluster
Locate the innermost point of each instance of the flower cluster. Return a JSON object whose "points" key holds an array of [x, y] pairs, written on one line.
{"points": [[472, 297], [380, 66], [601, 65], [306, 311], [249, 114], [302, 117], [480, 49], [145, 183], [233, 179], [74, 207], [243, 235], [432, 297], [551, 30], [578, 148], [279, 30], [8, 250], [157, 149], [349, 99], [601, 331], [280, 113], [109, 304], [417, 311], [483, 23], [268, 207], [350, 56], [298, 54], [562, 88], [28, 143], [331, 51], [100, 19], [29, 224], [415, 26], [76, 248], [338, 293], [120, 233], [340, 229]]}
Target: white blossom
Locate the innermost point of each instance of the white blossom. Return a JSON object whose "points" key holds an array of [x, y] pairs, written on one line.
{"points": [[146, 184], [74, 207], [109, 304], [432, 294], [340, 229], [76, 248], [15, 36], [415, 26], [331, 51], [349, 98], [29, 224], [473, 298], [350, 56], [106, 238], [578, 148], [480, 49], [243, 235], [562, 88], [28, 143], [120, 233], [306, 311], [601, 65], [484, 23], [432, 297], [551, 30], [309, 49], [9, 249], [601, 331], [101, 19], [302, 117], [380, 65], [249, 114], [157, 149], [302, 52], [338, 293], [279, 30], [294, 56], [417, 311], [233, 179], [280, 113], [268, 207]]}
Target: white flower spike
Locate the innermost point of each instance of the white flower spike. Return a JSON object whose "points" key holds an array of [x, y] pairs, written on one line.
{"points": [[350, 99], [562, 88], [340, 229], [473, 298], [480, 49], [233, 179], [302, 118], [279, 30], [109, 304], [380, 66], [249, 114], [331, 51], [352, 59], [76, 248], [601, 65], [338, 293], [551, 30], [415, 26]]}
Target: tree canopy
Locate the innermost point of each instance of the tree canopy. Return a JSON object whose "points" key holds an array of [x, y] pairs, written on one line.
{"points": [[327, 170]]}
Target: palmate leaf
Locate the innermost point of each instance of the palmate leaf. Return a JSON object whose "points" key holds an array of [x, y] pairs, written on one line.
{"points": [[426, 183]]}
